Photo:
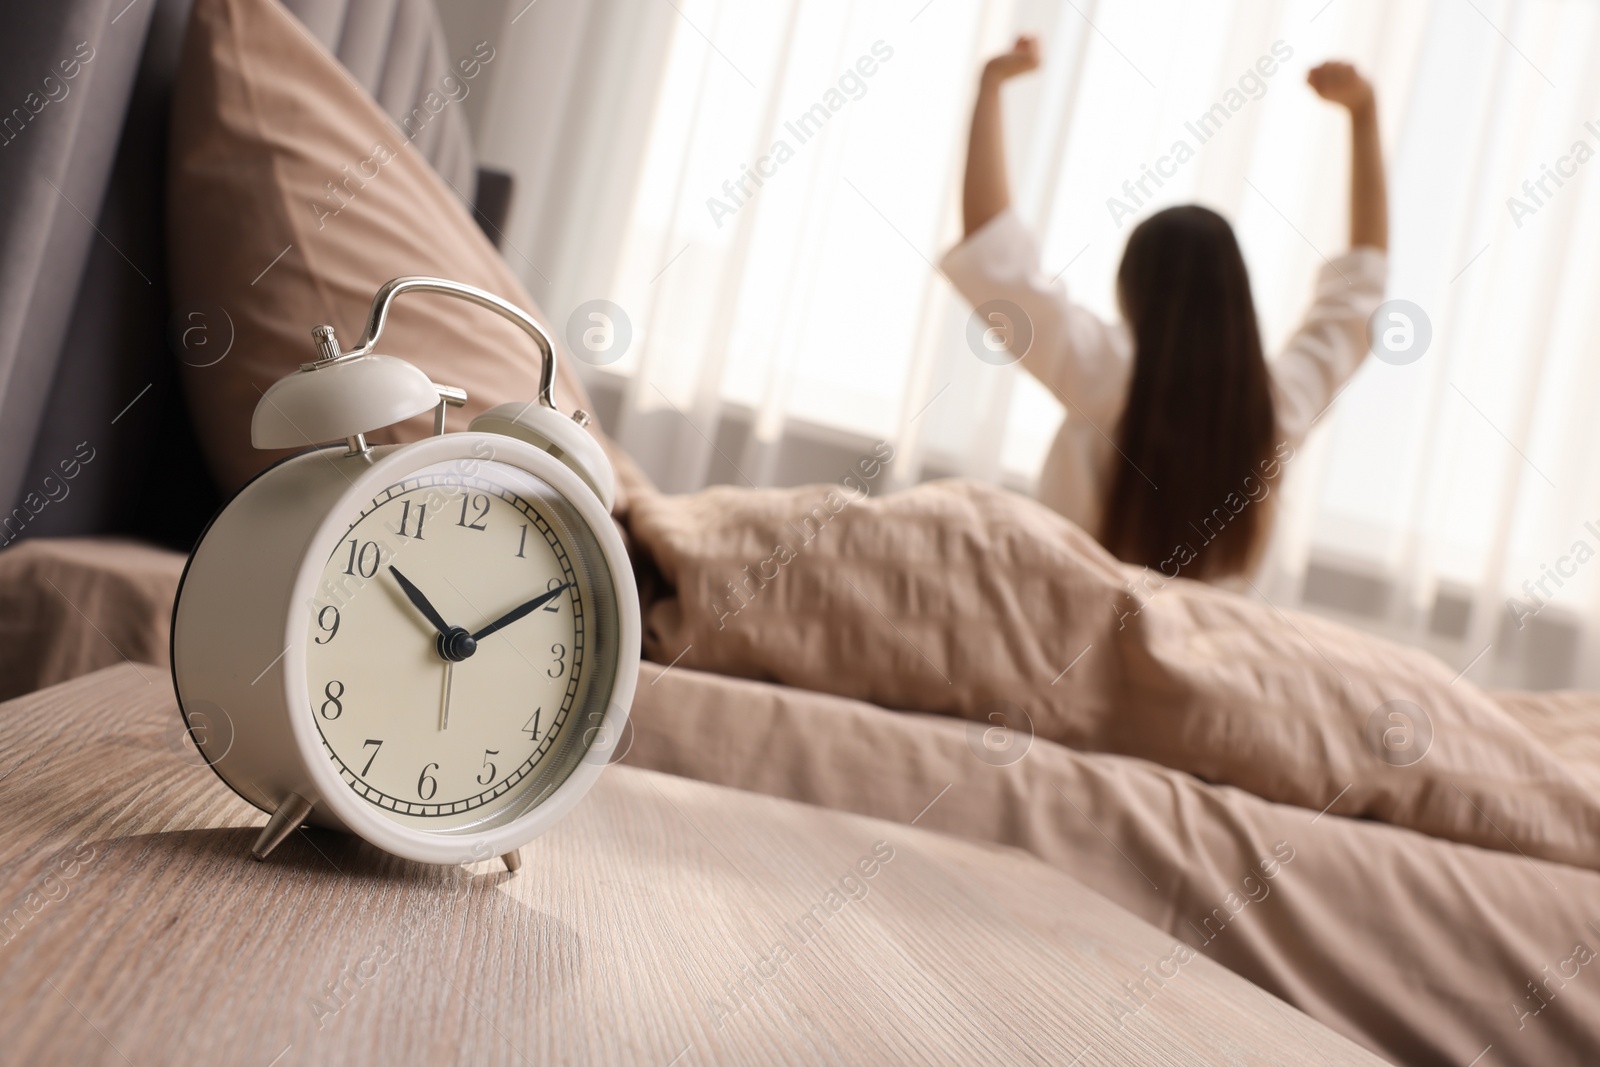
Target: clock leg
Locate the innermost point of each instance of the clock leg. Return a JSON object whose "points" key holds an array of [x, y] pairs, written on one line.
{"points": [[512, 860], [290, 814]]}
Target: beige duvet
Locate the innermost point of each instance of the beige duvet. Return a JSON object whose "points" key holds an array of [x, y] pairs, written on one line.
{"points": [[960, 599]]}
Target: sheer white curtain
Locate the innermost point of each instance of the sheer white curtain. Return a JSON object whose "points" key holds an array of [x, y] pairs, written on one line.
{"points": [[763, 191]]}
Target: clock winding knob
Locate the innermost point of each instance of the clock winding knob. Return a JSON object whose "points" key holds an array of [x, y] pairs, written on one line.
{"points": [[327, 344]]}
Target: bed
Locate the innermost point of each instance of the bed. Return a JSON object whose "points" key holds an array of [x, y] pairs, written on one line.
{"points": [[1208, 763], [1413, 944]]}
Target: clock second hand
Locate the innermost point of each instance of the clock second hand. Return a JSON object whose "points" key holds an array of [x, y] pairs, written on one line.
{"points": [[444, 706]]}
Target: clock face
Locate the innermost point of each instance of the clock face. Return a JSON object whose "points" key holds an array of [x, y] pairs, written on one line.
{"points": [[461, 646]]}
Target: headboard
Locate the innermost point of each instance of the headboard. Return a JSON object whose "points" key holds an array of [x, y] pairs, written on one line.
{"points": [[88, 371]]}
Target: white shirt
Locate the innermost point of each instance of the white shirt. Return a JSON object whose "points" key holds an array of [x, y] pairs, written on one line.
{"points": [[1088, 363]]}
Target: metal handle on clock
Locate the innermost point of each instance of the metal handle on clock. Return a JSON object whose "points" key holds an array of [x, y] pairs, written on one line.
{"points": [[392, 290]]}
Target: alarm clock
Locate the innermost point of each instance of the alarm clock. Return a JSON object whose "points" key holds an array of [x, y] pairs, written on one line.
{"points": [[431, 645]]}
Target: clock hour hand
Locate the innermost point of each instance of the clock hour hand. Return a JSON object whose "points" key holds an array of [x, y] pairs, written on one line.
{"points": [[419, 601], [518, 612]]}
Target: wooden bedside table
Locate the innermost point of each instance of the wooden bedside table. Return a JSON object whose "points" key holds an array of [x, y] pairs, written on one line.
{"points": [[667, 922]]}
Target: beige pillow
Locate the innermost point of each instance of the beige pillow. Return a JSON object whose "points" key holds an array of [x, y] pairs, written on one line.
{"points": [[291, 198]]}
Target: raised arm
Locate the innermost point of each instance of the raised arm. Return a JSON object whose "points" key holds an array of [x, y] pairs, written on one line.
{"points": [[1084, 361], [1342, 84], [986, 191], [1332, 342]]}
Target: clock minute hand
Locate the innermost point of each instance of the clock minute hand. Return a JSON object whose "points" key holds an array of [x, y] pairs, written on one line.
{"points": [[414, 595], [518, 612]]}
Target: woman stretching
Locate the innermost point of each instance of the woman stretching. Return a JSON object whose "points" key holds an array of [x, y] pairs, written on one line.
{"points": [[1177, 425]]}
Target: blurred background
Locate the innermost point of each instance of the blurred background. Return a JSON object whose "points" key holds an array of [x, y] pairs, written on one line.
{"points": [[772, 340]]}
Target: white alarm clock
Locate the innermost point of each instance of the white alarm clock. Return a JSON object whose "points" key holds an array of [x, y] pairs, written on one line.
{"points": [[431, 645]]}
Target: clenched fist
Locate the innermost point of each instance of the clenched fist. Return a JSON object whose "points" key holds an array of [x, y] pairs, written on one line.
{"points": [[1341, 83], [1023, 57]]}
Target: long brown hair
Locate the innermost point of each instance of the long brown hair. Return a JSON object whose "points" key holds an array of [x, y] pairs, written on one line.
{"points": [[1197, 432]]}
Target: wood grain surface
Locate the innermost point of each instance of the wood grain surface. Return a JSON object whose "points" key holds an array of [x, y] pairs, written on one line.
{"points": [[667, 922]]}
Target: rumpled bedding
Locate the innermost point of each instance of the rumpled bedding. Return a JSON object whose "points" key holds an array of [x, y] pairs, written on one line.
{"points": [[960, 599], [70, 606]]}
